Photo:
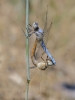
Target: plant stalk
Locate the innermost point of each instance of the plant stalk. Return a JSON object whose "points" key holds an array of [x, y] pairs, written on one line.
{"points": [[27, 51]]}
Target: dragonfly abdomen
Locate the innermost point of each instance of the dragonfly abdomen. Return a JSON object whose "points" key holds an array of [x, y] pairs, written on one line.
{"points": [[47, 52]]}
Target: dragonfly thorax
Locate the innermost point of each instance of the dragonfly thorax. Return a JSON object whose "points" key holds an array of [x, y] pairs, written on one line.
{"points": [[39, 34]]}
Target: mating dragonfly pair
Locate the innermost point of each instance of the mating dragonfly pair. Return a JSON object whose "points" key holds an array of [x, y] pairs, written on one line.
{"points": [[40, 43], [38, 51], [39, 48]]}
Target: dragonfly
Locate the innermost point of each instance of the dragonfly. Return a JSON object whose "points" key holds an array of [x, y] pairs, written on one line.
{"points": [[42, 38], [40, 42]]}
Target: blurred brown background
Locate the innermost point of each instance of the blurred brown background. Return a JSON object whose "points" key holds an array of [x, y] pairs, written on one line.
{"points": [[13, 56]]}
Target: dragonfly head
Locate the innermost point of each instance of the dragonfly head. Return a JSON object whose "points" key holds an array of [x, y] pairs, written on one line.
{"points": [[35, 25]]}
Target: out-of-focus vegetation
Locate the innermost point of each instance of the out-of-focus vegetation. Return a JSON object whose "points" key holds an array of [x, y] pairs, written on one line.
{"points": [[61, 45]]}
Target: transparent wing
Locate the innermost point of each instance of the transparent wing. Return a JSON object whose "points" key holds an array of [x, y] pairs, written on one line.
{"points": [[35, 78], [39, 81], [45, 25], [46, 34], [46, 29], [39, 51]]}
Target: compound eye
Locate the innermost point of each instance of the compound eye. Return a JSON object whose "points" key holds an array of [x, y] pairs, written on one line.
{"points": [[35, 25]]}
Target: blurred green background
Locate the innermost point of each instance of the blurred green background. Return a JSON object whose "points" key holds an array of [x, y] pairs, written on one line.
{"points": [[13, 56]]}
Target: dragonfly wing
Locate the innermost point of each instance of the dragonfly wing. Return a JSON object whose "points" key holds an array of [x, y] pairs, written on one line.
{"points": [[46, 33], [45, 25], [46, 29], [39, 51]]}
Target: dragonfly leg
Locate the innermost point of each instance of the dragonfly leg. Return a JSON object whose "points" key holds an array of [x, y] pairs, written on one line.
{"points": [[29, 31], [49, 62], [43, 54], [28, 34], [42, 58], [24, 32]]}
